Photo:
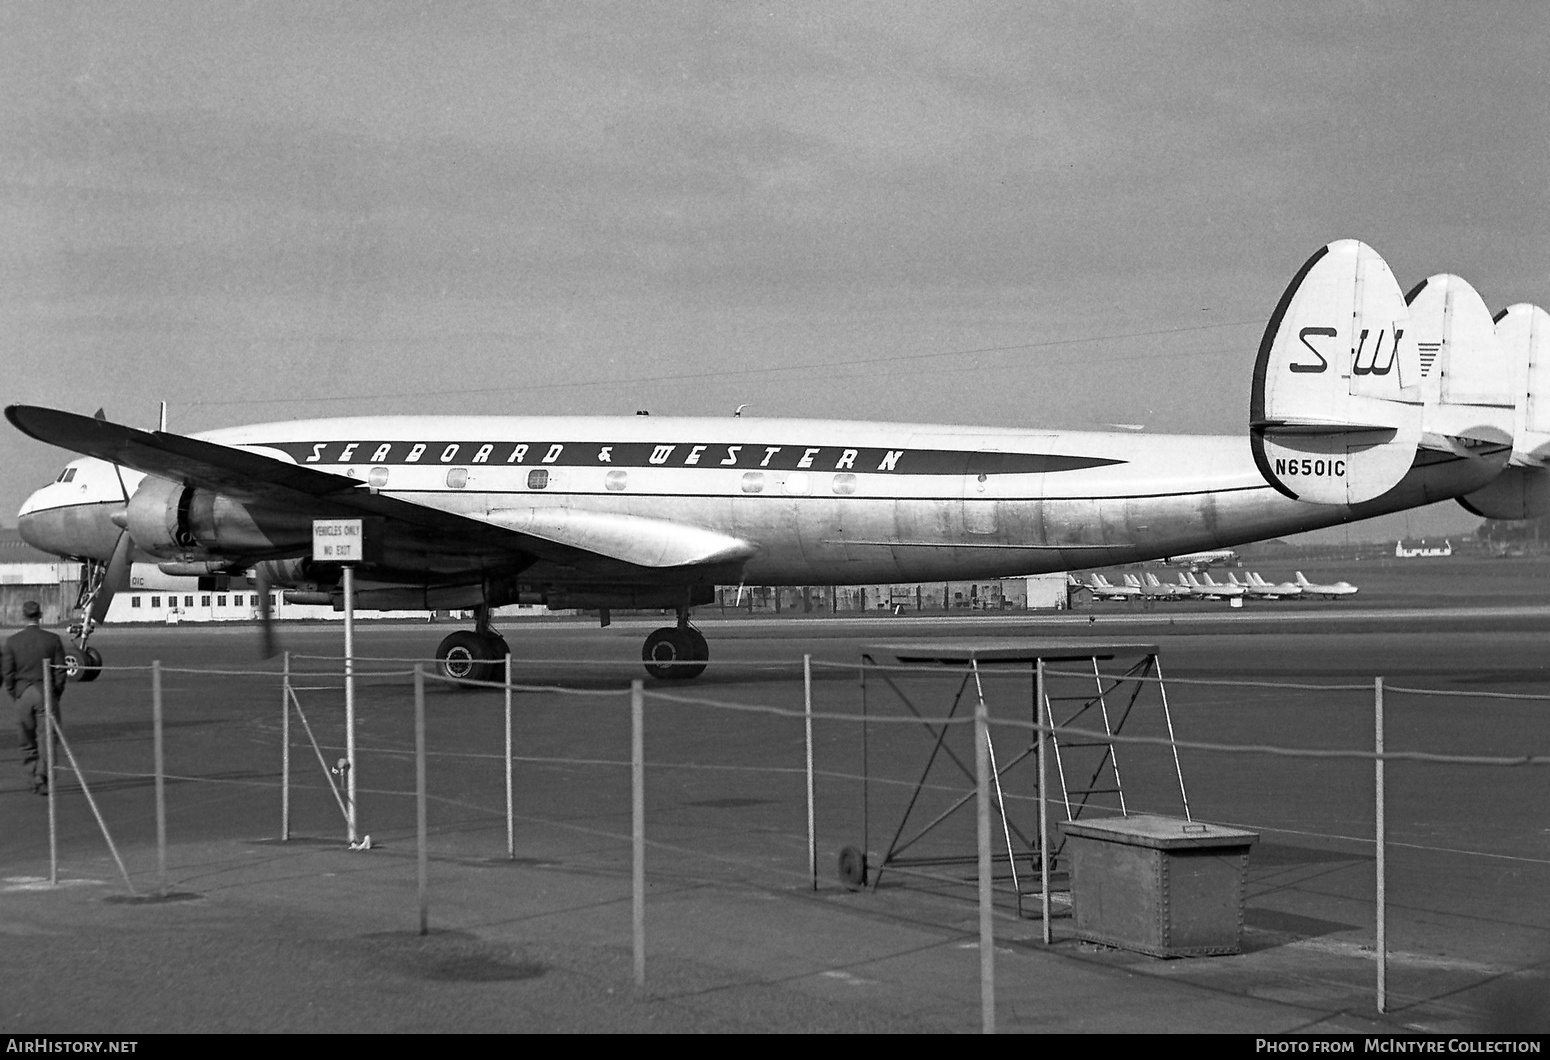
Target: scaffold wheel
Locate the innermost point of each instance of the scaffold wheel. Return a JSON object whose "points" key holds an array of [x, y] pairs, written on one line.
{"points": [[853, 868]]}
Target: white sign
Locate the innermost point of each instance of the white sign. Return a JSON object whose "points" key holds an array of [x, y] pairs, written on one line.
{"points": [[337, 540]]}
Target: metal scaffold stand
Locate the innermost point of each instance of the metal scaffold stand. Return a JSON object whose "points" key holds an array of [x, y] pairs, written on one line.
{"points": [[1080, 696]]}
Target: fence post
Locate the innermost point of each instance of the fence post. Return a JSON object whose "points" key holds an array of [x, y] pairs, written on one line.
{"points": [[987, 927], [1379, 831], [53, 780], [1040, 719], [422, 871], [161, 792], [349, 702], [285, 751], [812, 836], [638, 828], [511, 834]]}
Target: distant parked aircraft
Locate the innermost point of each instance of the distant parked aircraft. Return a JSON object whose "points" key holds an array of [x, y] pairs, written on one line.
{"points": [[1160, 590], [1272, 591], [1200, 560], [1329, 592], [1103, 589], [1215, 590]]}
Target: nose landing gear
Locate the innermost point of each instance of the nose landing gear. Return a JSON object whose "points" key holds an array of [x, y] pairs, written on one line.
{"points": [[83, 663]]}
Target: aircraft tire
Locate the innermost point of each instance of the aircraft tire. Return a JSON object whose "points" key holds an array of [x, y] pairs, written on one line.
{"points": [[464, 656], [699, 647], [76, 664], [93, 666], [496, 649], [670, 654]]}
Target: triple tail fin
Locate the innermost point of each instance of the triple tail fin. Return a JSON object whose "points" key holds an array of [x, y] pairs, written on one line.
{"points": [[1335, 408]]}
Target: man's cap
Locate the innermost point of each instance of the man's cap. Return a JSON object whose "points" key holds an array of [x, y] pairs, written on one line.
{"points": [[30, 609]]}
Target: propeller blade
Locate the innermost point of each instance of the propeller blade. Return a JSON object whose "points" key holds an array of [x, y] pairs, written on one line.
{"points": [[115, 580]]}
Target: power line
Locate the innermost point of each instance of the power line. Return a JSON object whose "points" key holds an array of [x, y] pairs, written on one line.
{"points": [[764, 370]]}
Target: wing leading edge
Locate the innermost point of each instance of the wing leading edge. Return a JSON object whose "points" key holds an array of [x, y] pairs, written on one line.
{"points": [[593, 544]]}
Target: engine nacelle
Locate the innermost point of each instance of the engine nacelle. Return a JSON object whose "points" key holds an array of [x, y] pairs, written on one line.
{"points": [[395, 598], [300, 573], [172, 521]]}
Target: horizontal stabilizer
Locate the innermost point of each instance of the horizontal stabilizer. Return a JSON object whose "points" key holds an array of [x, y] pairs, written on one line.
{"points": [[628, 538], [1323, 427], [1335, 409]]}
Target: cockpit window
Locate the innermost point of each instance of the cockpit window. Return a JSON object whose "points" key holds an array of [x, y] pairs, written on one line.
{"points": [[67, 475]]}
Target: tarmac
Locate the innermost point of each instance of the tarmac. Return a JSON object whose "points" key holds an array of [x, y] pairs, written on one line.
{"points": [[251, 933]]}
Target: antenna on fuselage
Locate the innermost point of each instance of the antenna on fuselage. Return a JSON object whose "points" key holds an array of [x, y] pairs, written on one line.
{"points": [[161, 418], [740, 409]]}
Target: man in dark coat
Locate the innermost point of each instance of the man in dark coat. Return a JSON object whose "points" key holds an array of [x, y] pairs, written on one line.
{"points": [[21, 666]]}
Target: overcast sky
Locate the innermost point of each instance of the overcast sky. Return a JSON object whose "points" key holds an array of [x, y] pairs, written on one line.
{"points": [[1021, 214]]}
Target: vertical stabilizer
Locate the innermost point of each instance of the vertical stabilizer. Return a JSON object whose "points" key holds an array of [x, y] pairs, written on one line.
{"points": [[1335, 408], [1466, 372], [1524, 332], [1468, 407], [1522, 491]]}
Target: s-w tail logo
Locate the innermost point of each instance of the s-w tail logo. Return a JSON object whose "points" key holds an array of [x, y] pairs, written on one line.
{"points": [[1375, 363], [1301, 367]]}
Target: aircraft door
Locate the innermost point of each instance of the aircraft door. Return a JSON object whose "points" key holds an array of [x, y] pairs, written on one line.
{"points": [[980, 503]]}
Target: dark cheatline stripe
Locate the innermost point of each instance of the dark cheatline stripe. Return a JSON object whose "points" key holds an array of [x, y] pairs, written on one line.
{"points": [[740, 456]]}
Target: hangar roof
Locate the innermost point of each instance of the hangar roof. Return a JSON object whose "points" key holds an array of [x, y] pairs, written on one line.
{"points": [[14, 550]]}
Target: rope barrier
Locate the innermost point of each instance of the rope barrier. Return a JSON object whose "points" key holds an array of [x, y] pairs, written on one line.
{"points": [[1531, 696]]}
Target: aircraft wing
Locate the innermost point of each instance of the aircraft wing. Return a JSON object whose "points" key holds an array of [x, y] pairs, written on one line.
{"points": [[593, 544]]}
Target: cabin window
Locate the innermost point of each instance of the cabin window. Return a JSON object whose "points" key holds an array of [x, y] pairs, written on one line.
{"points": [[378, 477], [753, 482], [538, 478], [796, 484], [616, 479], [844, 485], [457, 477]]}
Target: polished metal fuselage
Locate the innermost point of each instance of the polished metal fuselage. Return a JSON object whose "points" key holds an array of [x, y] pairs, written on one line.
{"points": [[820, 502]]}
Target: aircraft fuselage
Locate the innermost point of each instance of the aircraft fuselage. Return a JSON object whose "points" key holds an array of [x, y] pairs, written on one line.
{"points": [[821, 502]]}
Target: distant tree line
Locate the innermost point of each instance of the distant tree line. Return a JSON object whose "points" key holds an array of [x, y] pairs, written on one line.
{"points": [[1503, 533]]}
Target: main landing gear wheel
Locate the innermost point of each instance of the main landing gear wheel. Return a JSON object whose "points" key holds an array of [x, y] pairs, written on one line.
{"points": [[675, 653], [82, 664], [470, 656]]}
